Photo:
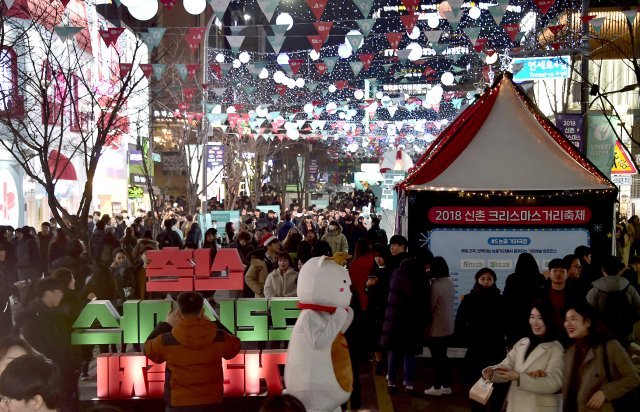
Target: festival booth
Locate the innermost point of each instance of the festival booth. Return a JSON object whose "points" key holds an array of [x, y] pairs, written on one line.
{"points": [[499, 181]]}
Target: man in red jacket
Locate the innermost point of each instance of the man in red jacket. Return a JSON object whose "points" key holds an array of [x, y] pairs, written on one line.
{"points": [[193, 348]]}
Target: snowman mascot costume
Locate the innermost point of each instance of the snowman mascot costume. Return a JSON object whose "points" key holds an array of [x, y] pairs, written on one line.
{"points": [[318, 369]]}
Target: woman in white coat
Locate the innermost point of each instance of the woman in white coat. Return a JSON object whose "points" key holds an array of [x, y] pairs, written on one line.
{"points": [[534, 366], [283, 281]]}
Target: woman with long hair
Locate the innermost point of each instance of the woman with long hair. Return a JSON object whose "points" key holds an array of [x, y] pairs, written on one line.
{"points": [[534, 365], [598, 371], [479, 326], [442, 325]]}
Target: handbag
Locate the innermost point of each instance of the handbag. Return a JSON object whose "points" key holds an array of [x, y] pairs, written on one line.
{"points": [[628, 401], [481, 391]]}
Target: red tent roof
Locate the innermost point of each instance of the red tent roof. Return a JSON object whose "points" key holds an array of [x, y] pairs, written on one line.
{"points": [[502, 142]]}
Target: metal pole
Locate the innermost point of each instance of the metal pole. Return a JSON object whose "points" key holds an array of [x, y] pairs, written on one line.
{"points": [[584, 70], [205, 66]]}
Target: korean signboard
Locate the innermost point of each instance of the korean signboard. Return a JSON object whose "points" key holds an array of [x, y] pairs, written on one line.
{"points": [[537, 68], [571, 127]]}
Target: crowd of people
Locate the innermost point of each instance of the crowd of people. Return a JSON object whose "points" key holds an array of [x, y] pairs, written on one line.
{"points": [[560, 339]]}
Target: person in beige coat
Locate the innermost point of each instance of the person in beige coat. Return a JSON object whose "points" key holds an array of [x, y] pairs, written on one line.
{"points": [[257, 273], [534, 366], [282, 282], [335, 238], [591, 382]]}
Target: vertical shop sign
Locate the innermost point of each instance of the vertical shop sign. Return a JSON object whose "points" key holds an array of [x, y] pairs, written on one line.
{"points": [[313, 172]]}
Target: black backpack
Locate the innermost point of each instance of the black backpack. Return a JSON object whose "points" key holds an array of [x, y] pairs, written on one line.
{"points": [[618, 314]]}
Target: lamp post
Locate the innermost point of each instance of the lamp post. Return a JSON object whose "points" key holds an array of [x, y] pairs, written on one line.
{"points": [[205, 66]]}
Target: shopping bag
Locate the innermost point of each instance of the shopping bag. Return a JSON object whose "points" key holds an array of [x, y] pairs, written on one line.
{"points": [[481, 391]]}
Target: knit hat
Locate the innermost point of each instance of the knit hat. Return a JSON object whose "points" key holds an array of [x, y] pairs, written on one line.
{"points": [[268, 238]]}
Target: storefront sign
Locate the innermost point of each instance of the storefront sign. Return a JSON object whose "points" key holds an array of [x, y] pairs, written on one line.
{"points": [[571, 126], [509, 215], [138, 179], [9, 208], [215, 156], [136, 192], [535, 68]]}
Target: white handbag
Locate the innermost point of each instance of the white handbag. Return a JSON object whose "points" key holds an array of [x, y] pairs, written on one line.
{"points": [[481, 391]]}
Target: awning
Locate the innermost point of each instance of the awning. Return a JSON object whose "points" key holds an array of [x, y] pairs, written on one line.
{"points": [[60, 166]]}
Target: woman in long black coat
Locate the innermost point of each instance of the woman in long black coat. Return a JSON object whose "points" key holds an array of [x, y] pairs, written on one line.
{"points": [[405, 318], [480, 327], [377, 289]]}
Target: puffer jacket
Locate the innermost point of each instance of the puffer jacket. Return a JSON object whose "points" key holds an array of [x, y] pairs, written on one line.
{"points": [[336, 240], [193, 352], [280, 284]]}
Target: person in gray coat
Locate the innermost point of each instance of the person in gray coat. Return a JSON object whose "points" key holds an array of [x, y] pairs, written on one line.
{"points": [[442, 326], [621, 327]]}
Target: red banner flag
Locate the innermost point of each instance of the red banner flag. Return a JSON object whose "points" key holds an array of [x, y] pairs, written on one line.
{"points": [[323, 28], [544, 5], [316, 42], [217, 70], [409, 21], [317, 7], [147, 69], [394, 39], [512, 30], [295, 65], [366, 60], [321, 68]]}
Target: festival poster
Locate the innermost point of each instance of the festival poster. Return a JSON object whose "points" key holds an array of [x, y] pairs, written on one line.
{"points": [[467, 250]]}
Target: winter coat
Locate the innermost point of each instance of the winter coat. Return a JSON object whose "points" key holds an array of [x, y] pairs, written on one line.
{"points": [[194, 237], [406, 310], [43, 246], [358, 272], [193, 352], [27, 254], [336, 240], [442, 297], [105, 253], [57, 250], [257, 273], [479, 326], [46, 330], [593, 376], [169, 238], [281, 285], [535, 394], [377, 298], [95, 244], [597, 296], [283, 230], [377, 235], [80, 267]]}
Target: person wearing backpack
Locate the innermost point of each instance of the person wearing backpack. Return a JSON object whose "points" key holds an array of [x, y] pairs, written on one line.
{"points": [[616, 301]]}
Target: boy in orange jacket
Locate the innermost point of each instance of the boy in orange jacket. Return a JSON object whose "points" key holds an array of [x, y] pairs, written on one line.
{"points": [[193, 348]]}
